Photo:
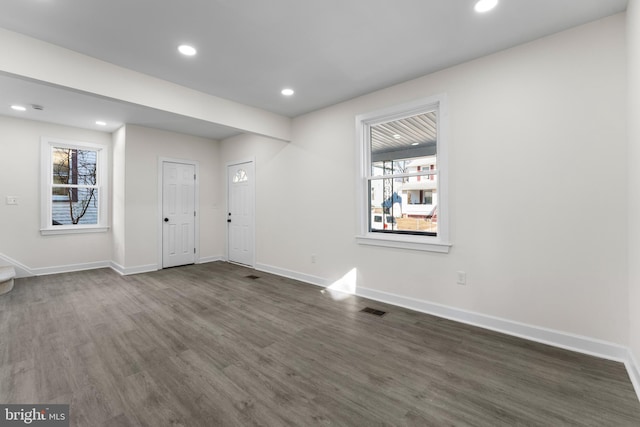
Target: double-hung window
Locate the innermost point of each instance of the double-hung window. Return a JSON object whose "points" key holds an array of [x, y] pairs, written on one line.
{"points": [[402, 179], [73, 187]]}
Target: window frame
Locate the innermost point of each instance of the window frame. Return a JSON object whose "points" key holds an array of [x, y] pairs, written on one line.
{"points": [[439, 243], [46, 187]]}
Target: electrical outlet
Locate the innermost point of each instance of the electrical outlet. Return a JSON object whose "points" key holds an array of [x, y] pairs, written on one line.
{"points": [[462, 278], [12, 200]]}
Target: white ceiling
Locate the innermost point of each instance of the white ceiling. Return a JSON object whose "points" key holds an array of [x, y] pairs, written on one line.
{"points": [[248, 50]]}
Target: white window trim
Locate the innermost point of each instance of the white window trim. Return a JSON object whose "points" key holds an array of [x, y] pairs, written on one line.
{"points": [[439, 243], [46, 181]]}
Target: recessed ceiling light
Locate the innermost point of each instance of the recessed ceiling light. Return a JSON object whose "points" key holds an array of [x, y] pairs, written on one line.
{"points": [[101, 123], [187, 50], [485, 5], [287, 92], [415, 143], [396, 136], [18, 108]]}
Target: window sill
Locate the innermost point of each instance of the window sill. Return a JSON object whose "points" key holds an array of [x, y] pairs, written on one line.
{"points": [[417, 243], [73, 230]]}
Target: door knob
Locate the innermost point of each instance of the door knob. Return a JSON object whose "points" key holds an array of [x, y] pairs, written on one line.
{"points": [[166, 220], [229, 220]]}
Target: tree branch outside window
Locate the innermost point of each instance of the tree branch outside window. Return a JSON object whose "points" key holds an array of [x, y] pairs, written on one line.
{"points": [[74, 182]]}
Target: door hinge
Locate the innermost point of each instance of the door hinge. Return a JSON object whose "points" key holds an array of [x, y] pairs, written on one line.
{"points": [[194, 176], [194, 250], [194, 213]]}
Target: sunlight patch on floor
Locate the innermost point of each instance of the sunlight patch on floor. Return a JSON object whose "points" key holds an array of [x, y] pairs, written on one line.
{"points": [[344, 286]]}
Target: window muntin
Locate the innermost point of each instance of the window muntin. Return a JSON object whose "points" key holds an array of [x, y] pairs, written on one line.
{"points": [[74, 186], [403, 175]]}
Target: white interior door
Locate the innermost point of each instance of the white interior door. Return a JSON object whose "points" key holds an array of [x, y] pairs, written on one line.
{"points": [[178, 214], [240, 216]]}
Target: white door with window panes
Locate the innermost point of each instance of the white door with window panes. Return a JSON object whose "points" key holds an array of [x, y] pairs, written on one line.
{"points": [[240, 213]]}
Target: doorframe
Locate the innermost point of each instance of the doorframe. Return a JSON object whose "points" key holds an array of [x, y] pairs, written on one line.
{"points": [[196, 204], [252, 184]]}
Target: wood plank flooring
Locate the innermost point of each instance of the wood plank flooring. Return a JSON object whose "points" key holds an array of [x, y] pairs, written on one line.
{"points": [[204, 345]]}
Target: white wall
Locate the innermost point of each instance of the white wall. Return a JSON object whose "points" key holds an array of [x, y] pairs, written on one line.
{"points": [[269, 171], [143, 148], [633, 58], [118, 197], [20, 237], [538, 181], [131, 244]]}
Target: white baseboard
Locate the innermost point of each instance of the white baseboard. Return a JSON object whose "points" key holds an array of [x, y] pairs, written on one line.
{"points": [[566, 340], [24, 271], [21, 269], [633, 368], [307, 278], [69, 268], [204, 260], [126, 271]]}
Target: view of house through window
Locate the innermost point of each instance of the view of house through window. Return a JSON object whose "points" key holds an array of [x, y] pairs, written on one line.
{"points": [[403, 181], [74, 186]]}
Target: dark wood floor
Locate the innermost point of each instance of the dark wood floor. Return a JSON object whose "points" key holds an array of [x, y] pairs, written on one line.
{"points": [[206, 346]]}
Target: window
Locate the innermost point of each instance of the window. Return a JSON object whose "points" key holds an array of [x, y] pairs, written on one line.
{"points": [[240, 176], [402, 181], [73, 187]]}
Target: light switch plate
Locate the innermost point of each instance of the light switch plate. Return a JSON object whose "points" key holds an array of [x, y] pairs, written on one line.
{"points": [[462, 278], [12, 200]]}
